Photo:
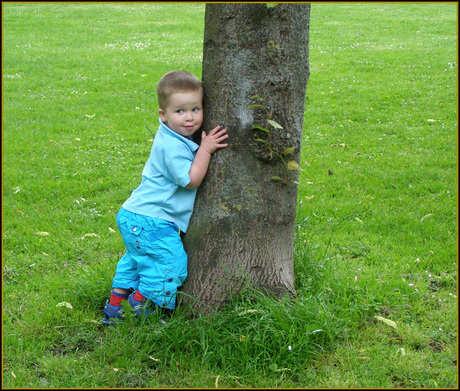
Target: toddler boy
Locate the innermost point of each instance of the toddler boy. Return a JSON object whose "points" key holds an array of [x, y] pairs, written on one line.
{"points": [[151, 220]]}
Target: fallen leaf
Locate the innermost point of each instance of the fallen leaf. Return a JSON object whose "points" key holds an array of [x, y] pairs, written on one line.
{"points": [[111, 229], [247, 312], [64, 304], [426, 216], [339, 145], [42, 233], [93, 235], [387, 321], [17, 189]]}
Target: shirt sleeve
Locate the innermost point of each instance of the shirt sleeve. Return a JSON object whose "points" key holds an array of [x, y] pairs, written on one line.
{"points": [[178, 161]]}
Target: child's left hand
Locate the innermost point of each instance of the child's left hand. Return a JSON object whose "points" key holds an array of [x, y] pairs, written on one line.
{"points": [[213, 141]]}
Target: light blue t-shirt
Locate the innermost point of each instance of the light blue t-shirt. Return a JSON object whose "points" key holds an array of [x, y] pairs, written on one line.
{"points": [[162, 193]]}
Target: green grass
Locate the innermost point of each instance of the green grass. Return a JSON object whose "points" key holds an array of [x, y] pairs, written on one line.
{"points": [[378, 237]]}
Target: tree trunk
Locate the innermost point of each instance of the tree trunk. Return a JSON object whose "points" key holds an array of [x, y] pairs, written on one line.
{"points": [[255, 69]]}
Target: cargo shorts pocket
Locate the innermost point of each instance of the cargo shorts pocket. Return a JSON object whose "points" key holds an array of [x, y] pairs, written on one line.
{"points": [[134, 237]]}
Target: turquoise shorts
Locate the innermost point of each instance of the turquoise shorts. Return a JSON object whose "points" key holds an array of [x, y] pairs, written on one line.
{"points": [[155, 261]]}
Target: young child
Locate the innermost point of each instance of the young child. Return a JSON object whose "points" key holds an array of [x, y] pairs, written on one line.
{"points": [[151, 220]]}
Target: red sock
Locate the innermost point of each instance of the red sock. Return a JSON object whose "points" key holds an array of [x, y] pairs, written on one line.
{"points": [[116, 298], [138, 296]]}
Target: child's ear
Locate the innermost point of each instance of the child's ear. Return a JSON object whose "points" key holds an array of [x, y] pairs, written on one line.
{"points": [[162, 115]]}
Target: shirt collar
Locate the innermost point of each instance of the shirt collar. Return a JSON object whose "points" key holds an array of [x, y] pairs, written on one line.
{"points": [[190, 143]]}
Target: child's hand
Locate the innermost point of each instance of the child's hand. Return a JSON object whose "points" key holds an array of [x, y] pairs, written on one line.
{"points": [[209, 143], [213, 141]]}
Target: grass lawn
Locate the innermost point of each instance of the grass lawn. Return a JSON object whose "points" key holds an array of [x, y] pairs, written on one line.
{"points": [[376, 238]]}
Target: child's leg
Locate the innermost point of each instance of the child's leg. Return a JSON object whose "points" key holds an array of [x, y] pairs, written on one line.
{"points": [[138, 296], [157, 259], [118, 295], [126, 276], [164, 268]]}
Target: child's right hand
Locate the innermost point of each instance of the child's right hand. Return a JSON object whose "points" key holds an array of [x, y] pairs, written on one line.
{"points": [[213, 141]]}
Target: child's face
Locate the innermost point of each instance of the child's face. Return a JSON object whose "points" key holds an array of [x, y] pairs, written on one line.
{"points": [[184, 113]]}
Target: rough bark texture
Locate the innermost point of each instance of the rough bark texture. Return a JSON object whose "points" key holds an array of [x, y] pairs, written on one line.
{"points": [[242, 229]]}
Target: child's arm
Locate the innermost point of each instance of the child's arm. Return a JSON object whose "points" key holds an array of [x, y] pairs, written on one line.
{"points": [[209, 144]]}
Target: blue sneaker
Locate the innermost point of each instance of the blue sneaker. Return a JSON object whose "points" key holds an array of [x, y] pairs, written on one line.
{"points": [[113, 314], [140, 308]]}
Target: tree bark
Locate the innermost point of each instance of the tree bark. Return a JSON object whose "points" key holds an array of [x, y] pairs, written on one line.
{"points": [[243, 226]]}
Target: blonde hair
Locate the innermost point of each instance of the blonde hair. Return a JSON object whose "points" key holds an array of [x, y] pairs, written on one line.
{"points": [[176, 81]]}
